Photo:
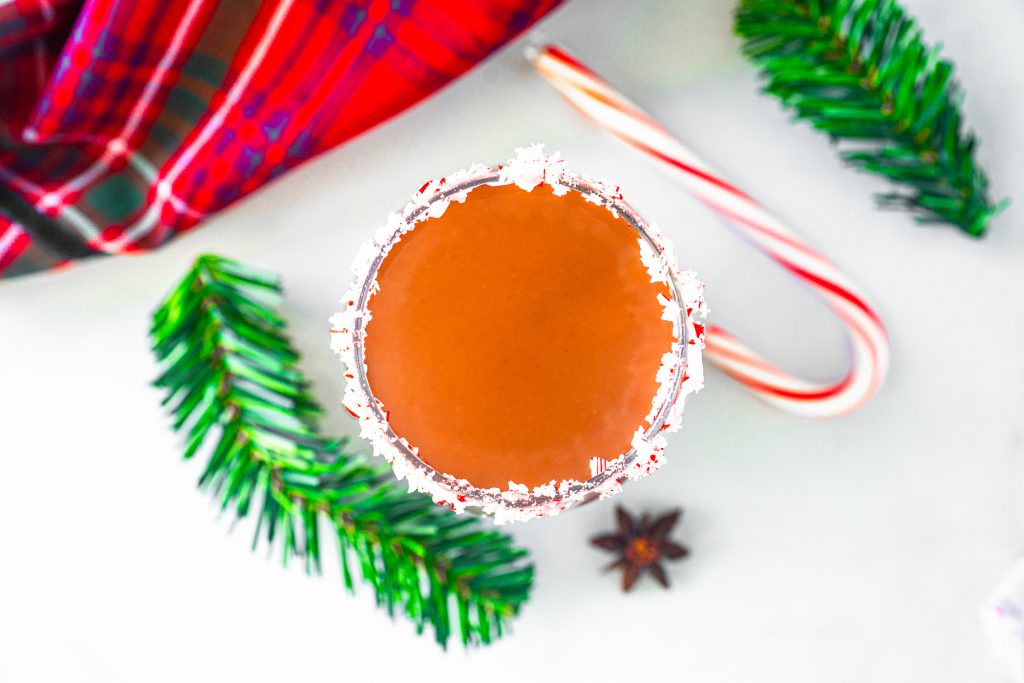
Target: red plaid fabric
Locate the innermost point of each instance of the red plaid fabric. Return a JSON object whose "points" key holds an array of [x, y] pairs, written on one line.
{"points": [[126, 122]]}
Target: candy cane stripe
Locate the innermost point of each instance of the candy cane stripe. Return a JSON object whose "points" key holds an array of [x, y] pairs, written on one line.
{"points": [[869, 346]]}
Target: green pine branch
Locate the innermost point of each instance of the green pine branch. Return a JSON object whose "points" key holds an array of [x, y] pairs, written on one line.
{"points": [[232, 385], [859, 71]]}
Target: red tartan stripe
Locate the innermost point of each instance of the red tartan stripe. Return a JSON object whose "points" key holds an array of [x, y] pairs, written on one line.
{"points": [[339, 87], [341, 83], [119, 72], [23, 20], [13, 241], [216, 135], [315, 87]]}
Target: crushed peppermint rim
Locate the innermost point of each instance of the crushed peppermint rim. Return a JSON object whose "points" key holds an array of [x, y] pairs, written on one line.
{"points": [[681, 371]]}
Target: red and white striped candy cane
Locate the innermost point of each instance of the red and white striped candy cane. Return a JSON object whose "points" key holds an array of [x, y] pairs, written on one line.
{"points": [[869, 360]]}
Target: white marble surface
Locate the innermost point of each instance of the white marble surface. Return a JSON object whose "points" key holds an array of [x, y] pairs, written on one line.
{"points": [[843, 551]]}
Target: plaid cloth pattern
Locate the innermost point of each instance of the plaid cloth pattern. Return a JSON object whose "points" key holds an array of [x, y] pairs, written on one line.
{"points": [[126, 122]]}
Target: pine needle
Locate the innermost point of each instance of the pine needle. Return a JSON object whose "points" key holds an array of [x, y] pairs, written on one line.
{"points": [[233, 387], [859, 71]]}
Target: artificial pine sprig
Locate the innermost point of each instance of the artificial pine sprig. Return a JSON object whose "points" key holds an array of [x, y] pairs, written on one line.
{"points": [[859, 71], [232, 384]]}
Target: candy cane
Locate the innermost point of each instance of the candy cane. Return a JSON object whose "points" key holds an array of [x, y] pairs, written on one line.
{"points": [[869, 357]]}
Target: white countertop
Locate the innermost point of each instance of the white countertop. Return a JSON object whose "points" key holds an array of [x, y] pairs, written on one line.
{"points": [[850, 550]]}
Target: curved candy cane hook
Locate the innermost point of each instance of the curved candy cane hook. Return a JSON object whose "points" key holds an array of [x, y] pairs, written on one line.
{"points": [[869, 360]]}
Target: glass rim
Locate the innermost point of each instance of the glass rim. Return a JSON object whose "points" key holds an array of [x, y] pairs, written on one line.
{"points": [[577, 491]]}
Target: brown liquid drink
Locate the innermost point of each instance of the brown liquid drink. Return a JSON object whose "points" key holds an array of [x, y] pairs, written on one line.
{"points": [[544, 352], [518, 340]]}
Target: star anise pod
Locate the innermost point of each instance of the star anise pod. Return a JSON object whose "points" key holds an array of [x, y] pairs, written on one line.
{"points": [[641, 546]]}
